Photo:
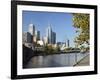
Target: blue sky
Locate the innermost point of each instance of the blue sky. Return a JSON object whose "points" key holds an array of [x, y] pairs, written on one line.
{"points": [[61, 23]]}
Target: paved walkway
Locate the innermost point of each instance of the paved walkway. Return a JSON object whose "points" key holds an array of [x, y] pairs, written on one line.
{"points": [[85, 61]]}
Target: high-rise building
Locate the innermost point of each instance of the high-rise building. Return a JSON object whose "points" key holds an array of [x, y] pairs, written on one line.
{"points": [[67, 43], [27, 38], [49, 34], [32, 29], [38, 35], [53, 38]]}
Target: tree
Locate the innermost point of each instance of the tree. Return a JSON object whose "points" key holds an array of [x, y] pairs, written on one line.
{"points": [[81, 23], [48, 49]]}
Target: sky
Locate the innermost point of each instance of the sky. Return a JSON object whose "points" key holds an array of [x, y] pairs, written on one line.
{"points": [[61, 23]]}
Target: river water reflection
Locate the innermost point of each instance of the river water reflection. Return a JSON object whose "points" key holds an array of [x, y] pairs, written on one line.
{"points": [[56, 60]]}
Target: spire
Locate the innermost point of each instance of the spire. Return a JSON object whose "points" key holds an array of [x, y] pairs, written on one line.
{"points": [[49, 25]]}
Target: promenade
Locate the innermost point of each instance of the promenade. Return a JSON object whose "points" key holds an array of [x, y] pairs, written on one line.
{"points": [[83, 62]]}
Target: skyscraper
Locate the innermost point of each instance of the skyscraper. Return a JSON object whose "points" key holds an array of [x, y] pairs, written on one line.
{"points": [[67, 43], [37, 35], [32, 29], [51, 36], [26, 37]]}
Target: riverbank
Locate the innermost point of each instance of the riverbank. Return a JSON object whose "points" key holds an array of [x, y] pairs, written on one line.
{"points": [[29, 53], [43, 53]]}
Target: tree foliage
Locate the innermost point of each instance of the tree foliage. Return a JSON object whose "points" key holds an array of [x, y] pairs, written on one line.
{"points": [[81, 23], [49, 49]]}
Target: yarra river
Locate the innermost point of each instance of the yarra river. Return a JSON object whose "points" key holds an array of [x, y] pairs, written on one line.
{"points": [[55, 60]]}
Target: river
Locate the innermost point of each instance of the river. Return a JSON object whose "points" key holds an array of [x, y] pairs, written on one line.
{"points": [[55, 60]]}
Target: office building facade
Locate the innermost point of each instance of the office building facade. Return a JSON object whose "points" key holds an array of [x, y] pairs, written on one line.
{"points": [[32, 29], [51, 36], [27, 38]]}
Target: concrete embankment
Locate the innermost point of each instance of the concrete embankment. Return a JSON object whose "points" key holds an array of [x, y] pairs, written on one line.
{"points": [[27, 54]]}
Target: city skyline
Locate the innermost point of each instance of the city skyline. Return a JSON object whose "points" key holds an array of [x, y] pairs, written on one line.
{"points": [[64, 30]]}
